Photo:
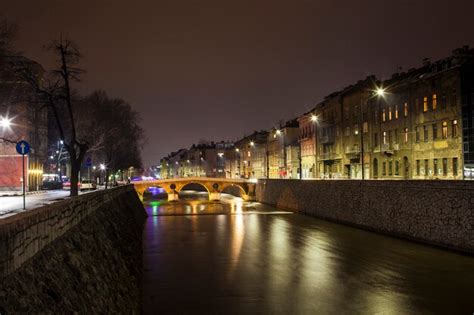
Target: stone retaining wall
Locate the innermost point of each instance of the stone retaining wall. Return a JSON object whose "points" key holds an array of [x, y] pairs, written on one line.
{"points": [[82, 255], [436, 212]]}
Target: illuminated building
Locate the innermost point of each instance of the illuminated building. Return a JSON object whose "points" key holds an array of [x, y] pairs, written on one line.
{"points": [[29, 121]]}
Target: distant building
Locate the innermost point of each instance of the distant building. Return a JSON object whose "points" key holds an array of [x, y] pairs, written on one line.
{"points": [[23, 118], [278, 140], [418, 124], [252, 155]]}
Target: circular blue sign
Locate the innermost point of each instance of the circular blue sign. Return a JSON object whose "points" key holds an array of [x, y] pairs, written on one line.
{"points": [[23, 147], [88, 162]]}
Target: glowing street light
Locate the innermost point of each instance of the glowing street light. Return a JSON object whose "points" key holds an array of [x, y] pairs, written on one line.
{"points": [[380, 92], [252, 143], [5, 122], [314, 118], [278, 132], [102, 167]]}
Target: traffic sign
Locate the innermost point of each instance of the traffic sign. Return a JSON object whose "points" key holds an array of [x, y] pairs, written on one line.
{"points": [[88, 162], [23, 147]]}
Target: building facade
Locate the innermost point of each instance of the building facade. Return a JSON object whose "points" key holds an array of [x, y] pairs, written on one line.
{"points": [[23, 117], [418, 124]]}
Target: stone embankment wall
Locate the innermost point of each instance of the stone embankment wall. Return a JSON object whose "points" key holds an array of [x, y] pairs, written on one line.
{"points": [[83, 254], [436, 212]]}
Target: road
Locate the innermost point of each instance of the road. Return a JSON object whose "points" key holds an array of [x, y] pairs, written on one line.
{"points": [[11, 205], [248, 258]]}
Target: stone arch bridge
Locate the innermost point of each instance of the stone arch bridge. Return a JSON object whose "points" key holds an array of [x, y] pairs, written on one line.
{"points": [[214, 186]]}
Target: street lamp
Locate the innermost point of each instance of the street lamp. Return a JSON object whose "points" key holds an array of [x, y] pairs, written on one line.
{"points": [[5, 122], [314, 119], [379, 92]]}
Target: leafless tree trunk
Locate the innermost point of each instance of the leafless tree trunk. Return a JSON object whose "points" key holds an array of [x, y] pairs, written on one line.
{"points": [[58, 96]]}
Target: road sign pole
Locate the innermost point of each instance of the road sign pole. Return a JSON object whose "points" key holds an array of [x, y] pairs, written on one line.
{"points": [[24, 181], [23, 148]]}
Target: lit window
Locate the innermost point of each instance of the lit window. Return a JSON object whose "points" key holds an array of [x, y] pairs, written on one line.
{"points": [[396, 111], [425, 104], [445, 130], [384, 137], [405, 135], [435, 102], [383, 115], [455, 128], [389, 113], [405, 109]]}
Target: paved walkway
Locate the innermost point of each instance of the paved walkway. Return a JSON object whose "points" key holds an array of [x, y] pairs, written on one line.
{"points": [[11, 205]]}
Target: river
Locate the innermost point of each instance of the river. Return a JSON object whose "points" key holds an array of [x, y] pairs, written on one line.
{"points": [[236, 257]]}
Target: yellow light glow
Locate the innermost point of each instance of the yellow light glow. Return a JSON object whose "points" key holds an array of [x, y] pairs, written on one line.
{"points": [[5, 122], [380, 92]]}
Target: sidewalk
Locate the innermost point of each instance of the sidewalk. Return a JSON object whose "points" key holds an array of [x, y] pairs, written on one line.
{"points": [[20, 193]]}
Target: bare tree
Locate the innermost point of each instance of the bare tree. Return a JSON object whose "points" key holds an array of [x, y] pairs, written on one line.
{"points": [[56, 92], [8, 33], [117, 135]]}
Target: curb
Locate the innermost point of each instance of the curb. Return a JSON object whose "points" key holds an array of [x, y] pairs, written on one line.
{"points": [[17, 193]]}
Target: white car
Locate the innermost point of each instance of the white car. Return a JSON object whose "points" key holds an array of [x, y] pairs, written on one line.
{"points": [[88, 185]]}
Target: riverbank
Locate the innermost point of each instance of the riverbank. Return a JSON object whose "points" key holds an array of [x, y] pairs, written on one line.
{"points": [[439, 213], [257, 259], [92, 263]]}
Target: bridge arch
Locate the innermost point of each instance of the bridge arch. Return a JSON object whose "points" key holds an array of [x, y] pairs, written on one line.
{"points": [[229, 186], [182, 186], [156, 190], [214, 186]]}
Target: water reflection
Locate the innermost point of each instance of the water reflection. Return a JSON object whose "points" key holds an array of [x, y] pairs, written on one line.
{"points": [[251, 258], [193, 202]]}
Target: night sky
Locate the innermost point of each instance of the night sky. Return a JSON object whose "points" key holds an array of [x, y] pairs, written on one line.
{"points": [[217, 70]]}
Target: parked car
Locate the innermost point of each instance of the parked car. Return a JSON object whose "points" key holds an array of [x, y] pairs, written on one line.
{"points": [[88, 185]]}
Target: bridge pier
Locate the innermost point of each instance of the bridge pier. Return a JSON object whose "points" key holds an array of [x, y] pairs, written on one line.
{"points": [[215, 195], [173, 196]]}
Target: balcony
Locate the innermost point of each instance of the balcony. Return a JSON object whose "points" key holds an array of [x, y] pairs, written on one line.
{"points": [[352, 152], [387, 149], [328, 139], [329, 156]]}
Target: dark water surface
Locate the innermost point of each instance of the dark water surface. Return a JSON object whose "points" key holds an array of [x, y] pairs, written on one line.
{"points": [[251, 258]]}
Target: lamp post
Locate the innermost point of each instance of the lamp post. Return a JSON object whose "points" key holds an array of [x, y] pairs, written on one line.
{"points": [[380, 92], [314, 119], [237, 151]]}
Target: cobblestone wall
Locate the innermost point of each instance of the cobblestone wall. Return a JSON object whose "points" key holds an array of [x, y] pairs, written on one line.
{"points": [[435, 212], [82, 255]]}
